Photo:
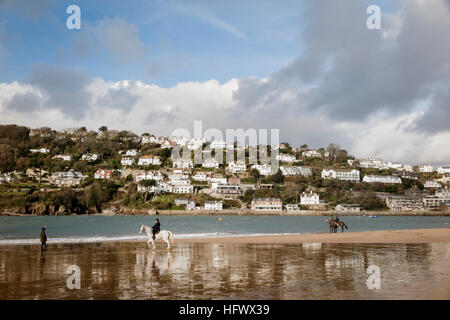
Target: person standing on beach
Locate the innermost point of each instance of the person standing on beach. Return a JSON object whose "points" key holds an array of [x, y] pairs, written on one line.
{"points": [[156, 228], [43, 239]]}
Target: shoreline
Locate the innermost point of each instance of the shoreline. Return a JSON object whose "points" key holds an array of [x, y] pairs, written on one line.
{"points": [[430, 235], [427, 235], [303, 213]]}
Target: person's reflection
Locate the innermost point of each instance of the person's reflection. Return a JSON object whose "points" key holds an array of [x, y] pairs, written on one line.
{"points": [[154, 271], [169, 260], [41, 264]]}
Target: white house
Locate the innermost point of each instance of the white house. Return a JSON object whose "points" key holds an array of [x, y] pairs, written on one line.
{"points": [[6, 177], [90, 157], [145, 138], [237, 166], [381, 179], [291, 207], [182, 163], [340, 174], [69, 178], [149, 160], [426, 168], [408, 168], [41, 150], [201, 176], [167, 144], [103, 174], [195, 144], [213, 205], [155, 140], [290, 171], [267, 204], [348, 208], [263, 169], [132, 153], [227, 189], [395, 165], [309, 198], [183, 189], [220, 144], [312, 154], [372, 163], [178, 140], [63, 157], [210, 163], [282, 157], [127, 161], [443, 170], [150, 175], [432, 184]]}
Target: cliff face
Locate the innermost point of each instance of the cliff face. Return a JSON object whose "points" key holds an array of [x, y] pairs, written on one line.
{"points": [[41, 209]]}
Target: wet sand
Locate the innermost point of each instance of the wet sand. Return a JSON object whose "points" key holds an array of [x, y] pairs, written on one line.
{"points": [[130, 270], [437, 235]]}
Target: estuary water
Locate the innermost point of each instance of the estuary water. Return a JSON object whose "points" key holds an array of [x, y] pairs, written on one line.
{"points": [[96, 228]]}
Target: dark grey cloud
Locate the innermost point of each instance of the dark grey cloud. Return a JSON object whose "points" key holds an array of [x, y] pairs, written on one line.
{"points": [[63, 89], [24, 102], [120, 98], [437, 117], [350, 72]]}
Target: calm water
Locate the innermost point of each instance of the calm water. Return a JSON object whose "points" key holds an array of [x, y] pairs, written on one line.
{"points": [[25, 230], [226, 271]]}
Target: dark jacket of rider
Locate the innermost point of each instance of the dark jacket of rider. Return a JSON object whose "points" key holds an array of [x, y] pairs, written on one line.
{"points": [[156, 227]]}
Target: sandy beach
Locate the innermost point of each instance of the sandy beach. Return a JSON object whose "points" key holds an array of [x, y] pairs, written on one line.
{"points": [[387, 236]]}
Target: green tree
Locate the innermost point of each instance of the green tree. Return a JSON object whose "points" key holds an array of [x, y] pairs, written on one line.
{"points": [[277, 177], [147, 184]]}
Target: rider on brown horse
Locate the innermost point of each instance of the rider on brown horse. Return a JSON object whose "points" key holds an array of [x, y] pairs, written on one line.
{"points": [[335, 223]]}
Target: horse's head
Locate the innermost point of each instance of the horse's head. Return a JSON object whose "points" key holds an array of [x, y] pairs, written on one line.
{"points": [[142, 229]]}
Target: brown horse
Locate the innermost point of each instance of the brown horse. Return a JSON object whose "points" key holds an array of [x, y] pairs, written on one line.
{"points": [[335, 225]]}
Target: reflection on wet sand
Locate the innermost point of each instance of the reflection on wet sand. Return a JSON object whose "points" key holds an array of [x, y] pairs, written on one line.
{"points": [[226, 271]]}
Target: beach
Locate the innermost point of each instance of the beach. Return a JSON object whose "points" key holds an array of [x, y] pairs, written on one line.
{"points": [[386, 236], [310, 266]]}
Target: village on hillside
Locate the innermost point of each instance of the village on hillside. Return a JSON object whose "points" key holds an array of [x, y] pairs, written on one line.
{"points": [[76, 171]]}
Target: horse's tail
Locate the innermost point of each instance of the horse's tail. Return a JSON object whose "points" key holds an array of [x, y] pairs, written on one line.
{"points": [[171, 237], [345, 226]]}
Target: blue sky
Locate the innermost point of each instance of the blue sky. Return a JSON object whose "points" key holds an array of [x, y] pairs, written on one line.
{"points": [[183, 41]]}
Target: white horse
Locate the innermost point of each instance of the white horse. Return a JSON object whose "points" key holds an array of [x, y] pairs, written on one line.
{"points": [[164, 235]]}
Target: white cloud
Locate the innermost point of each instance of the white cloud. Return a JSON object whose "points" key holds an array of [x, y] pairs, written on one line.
{"points": [[162, 110]]}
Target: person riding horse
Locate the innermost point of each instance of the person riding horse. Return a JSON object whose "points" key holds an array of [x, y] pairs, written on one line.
{"points": [[156, 228], [335, 223]]}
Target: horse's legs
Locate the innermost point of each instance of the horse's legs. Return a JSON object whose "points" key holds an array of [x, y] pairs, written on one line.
{"points": [[168, 244], [148, 243]]}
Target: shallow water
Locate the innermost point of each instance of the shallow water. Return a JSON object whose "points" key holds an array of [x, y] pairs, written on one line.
{"points": [[226, 271], [25, 230]]}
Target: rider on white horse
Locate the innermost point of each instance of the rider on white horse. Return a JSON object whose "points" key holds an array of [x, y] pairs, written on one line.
{"points": [[164, 235]]}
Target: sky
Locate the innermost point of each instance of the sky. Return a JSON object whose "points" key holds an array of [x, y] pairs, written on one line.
{"points": [[311, 69]]}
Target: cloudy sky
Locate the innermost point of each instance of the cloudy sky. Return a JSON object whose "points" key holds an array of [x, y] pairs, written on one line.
{"points": [[309, 68]]}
